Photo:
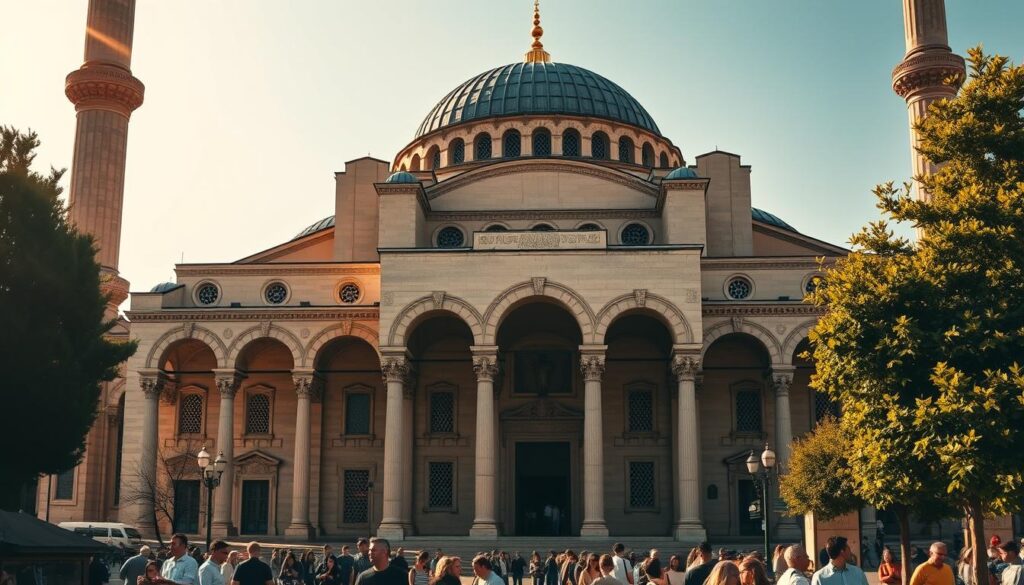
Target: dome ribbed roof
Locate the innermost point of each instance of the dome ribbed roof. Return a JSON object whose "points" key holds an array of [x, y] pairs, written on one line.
{"points": [[164, 287], [322, 224], [765, 217], [537, 88], [402, 177], [681, 173]]}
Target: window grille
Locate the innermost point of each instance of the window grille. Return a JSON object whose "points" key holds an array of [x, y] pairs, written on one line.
{"points": [[641, 484], [599, 146], [512, 144], [441, 485], [482, 148], [739, 288], [625, 150], [275, 293], [65, 489], [541, 143], [813, 283], [348, 293], [435, 159], [190, 415], [457, 152], [648, 155], [635, 234], [663, 161], [257, 414], [748, 411], [356, 497], [207, 294], [641, 411], [824, 406], [357, 413], [450, 237], [570, 143], [442, 412]]}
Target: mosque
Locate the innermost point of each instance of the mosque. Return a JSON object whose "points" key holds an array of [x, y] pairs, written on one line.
{"points": [[538, 318]]}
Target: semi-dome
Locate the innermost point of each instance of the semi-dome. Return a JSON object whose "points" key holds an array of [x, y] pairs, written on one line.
{"points": [[401, 177], [164, 287], [681, 173], [537, 88], [770, 219], [315, 227]]}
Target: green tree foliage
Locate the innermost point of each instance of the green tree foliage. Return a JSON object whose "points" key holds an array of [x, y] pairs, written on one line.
{"points": [[920, 344], [817, 479], [54, 354]]}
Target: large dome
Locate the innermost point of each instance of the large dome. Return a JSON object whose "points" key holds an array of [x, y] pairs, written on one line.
{"points": [[537, 88]]}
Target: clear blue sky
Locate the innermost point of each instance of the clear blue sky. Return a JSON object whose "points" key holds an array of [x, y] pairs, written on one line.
{"points": [[251, 105]]}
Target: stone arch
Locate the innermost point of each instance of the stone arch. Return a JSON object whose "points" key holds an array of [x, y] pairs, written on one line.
{"points": [[538, 287], [274, 332], [403, 322], [662, 308], [740, 325], [798, 334], [166, 341], [343, 329]]}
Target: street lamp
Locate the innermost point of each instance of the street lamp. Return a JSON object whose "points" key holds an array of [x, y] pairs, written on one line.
{"points": [[211, 479], [761, 472]]}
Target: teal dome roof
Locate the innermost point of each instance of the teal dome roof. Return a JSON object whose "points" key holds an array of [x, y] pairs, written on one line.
{"points": [[164, 287], [681, 173], [765, 217], [401, 177], [320, 225], [537, 88]]}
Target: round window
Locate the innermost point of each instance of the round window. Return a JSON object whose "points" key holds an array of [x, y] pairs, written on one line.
{"points": [[207, 294], [813, 283], [349, 293], [275, 293], [450, 237], [739, 288], [635, 234]]}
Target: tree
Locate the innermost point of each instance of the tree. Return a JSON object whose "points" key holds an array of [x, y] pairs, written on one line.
{"points": [[54, 354], [920, 343], [818, 477], [156, 488]]}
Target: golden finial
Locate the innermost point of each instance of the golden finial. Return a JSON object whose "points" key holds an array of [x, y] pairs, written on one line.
{"points": [[537, 54]]}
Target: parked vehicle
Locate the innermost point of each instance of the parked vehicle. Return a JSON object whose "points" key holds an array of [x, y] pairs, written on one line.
{"points": [[114, 534]]}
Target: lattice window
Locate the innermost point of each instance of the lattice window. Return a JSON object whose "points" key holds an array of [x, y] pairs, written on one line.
{"points": [[435, 158], [257, 414], [275, 293], [441, 485], [457, 152], [356, 497], [813, 283], [450, 237], [541, 143], [357, 413], [635, 234], [647, 152], [65, 488], [748, 411], [512, 144], [442, 412], [625, 150], [207, 294], [739, 288], [641, 411], [190, 415], [570, 143], [641, 484], [663, 161], [349, 293], [824, 406], [599, 146], [482, 147]]}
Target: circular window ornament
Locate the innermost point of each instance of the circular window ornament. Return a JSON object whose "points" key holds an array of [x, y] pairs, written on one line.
{"points": [[275, 293], [739, 288], [450, 237], [207, 293], [635, 234], [349, 293], [813, 283]]}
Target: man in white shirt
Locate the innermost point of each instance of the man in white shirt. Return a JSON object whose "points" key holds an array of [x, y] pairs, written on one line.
{"points": [[797, 561], [623, 570], [838, 571], [1013, 573], [484, 571], [209, 571]]}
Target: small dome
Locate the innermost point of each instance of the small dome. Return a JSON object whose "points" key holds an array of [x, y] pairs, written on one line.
{"points": [[681, 173], [320, 225], [402, 177], [770, 219], [164, 287]]}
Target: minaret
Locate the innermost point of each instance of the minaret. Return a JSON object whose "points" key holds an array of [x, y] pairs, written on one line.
{"points": [[104, 93], [537, 54], [930, 70]]}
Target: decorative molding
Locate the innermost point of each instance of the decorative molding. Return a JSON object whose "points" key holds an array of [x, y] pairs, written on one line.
{"points": [[769, 263], [303, 385], [640, 296], [930, 69], [395, 369], [101, 86], [542, 408], [592, 366], [552, 214], [151, 386], [345, 327], [782, 379], [189, 327], [518, 166], [538, 284], [685, 367], [749, 310], [257, 314], [438, 298], [737, 323], [485, 367], [228, 382], [272, 270]]}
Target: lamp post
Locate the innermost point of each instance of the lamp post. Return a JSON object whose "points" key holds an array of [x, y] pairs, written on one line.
{"points": [[761, 472], [211, 479]]}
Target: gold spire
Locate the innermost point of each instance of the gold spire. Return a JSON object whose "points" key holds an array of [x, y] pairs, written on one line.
{"points": [[537, 54]]}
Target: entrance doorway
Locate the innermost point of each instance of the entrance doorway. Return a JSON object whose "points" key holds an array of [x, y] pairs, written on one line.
{"points": [[542, 489], [255, 506], [746, 493]]}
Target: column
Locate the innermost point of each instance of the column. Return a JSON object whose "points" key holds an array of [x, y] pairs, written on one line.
{"points": [[151, 385], [300, 527], [407, 446], [688, 527], [395, 368], [485, 364], [782, 378], [592, 364], [227, 384]]}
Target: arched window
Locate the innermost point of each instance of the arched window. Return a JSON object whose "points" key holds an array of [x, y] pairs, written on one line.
{"points": [[495, 227], [542, 227], [457, 152], [482, 147], [647, 154], [748, 411], [599, 146], [511, 144], [433, 158], [590, 227], [625, 150], [415, 164], [541, 142], [663, 161], [571, 143], [257, 414], [190, 414]]}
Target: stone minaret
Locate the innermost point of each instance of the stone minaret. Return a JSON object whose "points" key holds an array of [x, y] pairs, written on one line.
{"points": [[104, 93], [930, 70]]}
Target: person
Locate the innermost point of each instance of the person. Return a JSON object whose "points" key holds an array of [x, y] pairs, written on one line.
{"points": [[995, 564], [517, 568], [433, 562], [227, 570], [934, 571], [209, 571], [551, 569], [839, 570], [309, 564], [419, 574], [779, 565], [362, 558], [98, 572], [965, 566], [275, 561], [797, 562], [179, 568], [291, 570], [889, 571], [692, 559], [639, 572], [398, 559], [484, 571], [135, 567], [346, 564], [1013, 573], [537, 568], [676, 571], [253, 571], [591, 570], [623, 569], [150, 576], [724, 574], [328, 573], [753, 572], [382, 571], [607, 565], [652, 570], [698, 574], [822, 557], [567, 569], [448, 571]]}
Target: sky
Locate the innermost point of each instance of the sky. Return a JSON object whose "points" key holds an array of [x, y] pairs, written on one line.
{"points": [[252, 105]]}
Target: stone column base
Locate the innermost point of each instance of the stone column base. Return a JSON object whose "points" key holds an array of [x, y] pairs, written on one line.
{"points": [[224, 529], [690, 533], [593, 530], [302, 532], [484, 531], [391, 531]]}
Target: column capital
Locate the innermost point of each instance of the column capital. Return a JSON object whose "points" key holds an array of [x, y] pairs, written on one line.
{"points": [[485, 362], [304, 380], [152, 383], [228, 381], [782, 378], [592, 361], [395, 368], [685, 366]]}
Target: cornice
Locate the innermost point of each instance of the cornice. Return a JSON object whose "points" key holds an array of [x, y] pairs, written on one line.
{"points": [[104, 87], [767, 264], [273, 270], [930, 69], [514, 166], [552, 214], [749, 309], [256, 314]]}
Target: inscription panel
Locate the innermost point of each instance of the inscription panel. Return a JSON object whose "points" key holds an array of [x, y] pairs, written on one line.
{"points": [[529, 240]]}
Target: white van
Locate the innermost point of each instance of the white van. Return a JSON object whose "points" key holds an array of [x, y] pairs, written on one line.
{"points": [[111, 533]]}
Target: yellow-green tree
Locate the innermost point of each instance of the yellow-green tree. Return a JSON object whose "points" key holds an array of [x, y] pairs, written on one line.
{"points": [[818, 476], [920, 343]]}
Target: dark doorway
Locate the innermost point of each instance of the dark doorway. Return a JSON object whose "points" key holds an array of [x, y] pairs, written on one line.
{"points": [[746, 493], [186, 505], [255, 506], [542, 489]]}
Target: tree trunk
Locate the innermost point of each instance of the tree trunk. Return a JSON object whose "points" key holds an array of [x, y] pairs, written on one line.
{"points": [[976, 528], [156, 527], [903, 515]]}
